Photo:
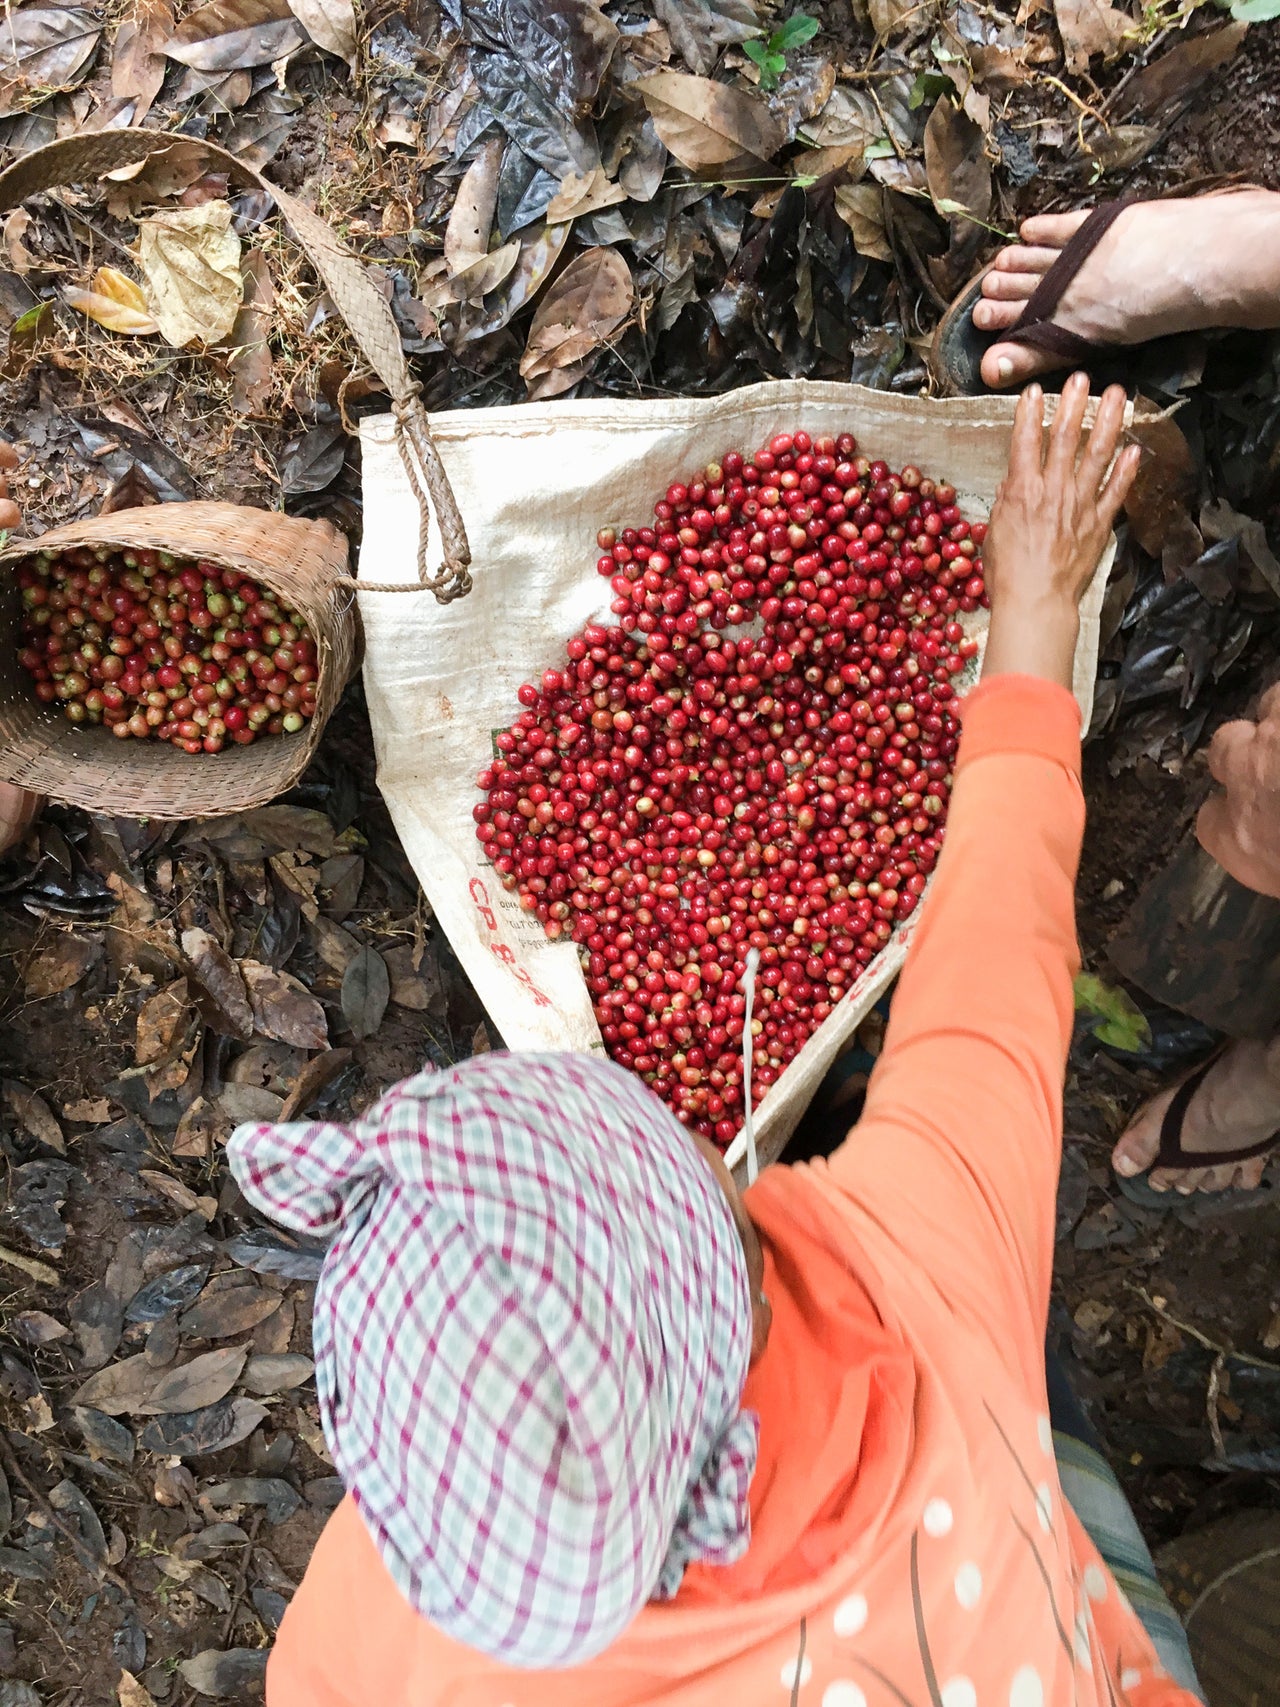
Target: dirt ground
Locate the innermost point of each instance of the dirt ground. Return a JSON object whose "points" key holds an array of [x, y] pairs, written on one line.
{"points": [[144, 1549]]}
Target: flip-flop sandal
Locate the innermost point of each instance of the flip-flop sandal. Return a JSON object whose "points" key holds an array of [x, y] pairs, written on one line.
{"points": [[1171, 1154], [959, 346]]}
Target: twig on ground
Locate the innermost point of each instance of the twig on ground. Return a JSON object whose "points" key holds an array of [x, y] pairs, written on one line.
{"points": [[54, 1519], [1201, 1338]]}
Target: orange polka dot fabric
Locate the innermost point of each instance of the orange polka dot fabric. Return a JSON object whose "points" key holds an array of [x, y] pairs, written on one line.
{"points": [[911, 1545]]}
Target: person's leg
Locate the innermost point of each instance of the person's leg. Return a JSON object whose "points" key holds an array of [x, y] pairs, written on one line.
{"points": [[1238, 1104], [1093, 1493], [1164, 266]]}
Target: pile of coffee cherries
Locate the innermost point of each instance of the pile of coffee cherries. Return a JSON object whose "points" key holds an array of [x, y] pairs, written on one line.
{"points": [[155, 647], [756, 753]]}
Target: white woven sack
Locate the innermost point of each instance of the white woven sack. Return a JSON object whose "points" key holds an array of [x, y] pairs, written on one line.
{"points": [[534, 484]]}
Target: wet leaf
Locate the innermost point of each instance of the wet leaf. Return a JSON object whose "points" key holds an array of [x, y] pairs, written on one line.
{"points": [[33, 1113], [331, 24], [341, 878], [162, 1023], [314, 460], [267, 1253], [563, 45], [171, 1291], [221, 1674], [277, 1498], [190, 258], [366, 989], [203, 1381], [44, 48], [193, 1434], [105, 1437], [283, 1008], [466, 236], [250, 359], [114, 301], [1119, 1022], [221, 995], [320, 1071], [1089, 28], [701, 28], [276, 1374], [1219, 522], [68, 1499], [585, 306], [707, 124], [236, 35]]}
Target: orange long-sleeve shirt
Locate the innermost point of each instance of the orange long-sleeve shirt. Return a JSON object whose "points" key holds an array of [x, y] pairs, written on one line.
{"points": [[910, 1543]]}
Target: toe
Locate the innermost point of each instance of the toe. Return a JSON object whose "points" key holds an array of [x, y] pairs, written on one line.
{"points": [[991, 316], [1009, 286], [1249, 1174], [1004, 365], [1026, 258], [1052, 230], [1219, 1179], [1136, 1149]]}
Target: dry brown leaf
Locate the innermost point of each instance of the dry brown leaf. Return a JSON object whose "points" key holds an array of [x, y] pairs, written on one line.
{"points": [[250, 360], [221, 992], [707, 124], [137, 56], [861, 206], [162, 1022], [276, 1373], [957, 170], [192, 1386], [131, 1693], [181, 1196], [230, 1304], [16, 226], [901, 17], [114, 301], [31, 1111], [1181, 70], [1165, 486], [584, 307], [56, 968], [236, 35], [331, 24], [581, 194], [283, 1008], [466, 236], [91, 1111], [119, 1388], [487, 273], [190, 258], [319, 1071], [1089, 28]]}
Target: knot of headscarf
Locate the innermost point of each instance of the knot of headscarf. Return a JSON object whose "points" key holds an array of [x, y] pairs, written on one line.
{"points": [[532, 1330]]}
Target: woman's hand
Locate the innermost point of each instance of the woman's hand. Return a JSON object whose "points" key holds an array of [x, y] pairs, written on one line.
{"points": [[1050, 523]]}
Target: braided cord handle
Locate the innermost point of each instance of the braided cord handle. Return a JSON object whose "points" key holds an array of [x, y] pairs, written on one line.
{"points": [[93, 153]]}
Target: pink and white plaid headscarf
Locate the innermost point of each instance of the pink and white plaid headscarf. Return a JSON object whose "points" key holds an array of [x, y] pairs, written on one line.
{"points": [[531, 1335]]}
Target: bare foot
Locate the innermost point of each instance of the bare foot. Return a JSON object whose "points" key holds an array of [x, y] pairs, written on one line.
{"points": [[1238, 1104], [1162, 267]]}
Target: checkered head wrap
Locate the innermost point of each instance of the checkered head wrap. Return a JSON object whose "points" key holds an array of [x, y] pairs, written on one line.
{"points": [[531, 1335]]}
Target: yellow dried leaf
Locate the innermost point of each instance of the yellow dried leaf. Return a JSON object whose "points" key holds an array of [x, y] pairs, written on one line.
{"points": [[191, 260], [114, 301]]}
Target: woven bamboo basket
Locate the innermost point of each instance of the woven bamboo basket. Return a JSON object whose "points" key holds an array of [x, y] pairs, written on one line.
{"points": [[304, 561], [89, 767]]}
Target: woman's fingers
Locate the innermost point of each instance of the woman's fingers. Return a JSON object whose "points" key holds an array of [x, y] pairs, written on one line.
{"points": [[1103, 438], [1025, 448], [1064, 434]]}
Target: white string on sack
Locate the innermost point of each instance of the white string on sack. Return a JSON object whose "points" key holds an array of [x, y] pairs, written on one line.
{"points": [[748, 1044]]}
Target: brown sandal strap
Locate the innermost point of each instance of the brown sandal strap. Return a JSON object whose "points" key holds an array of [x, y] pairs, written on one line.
{"points": [[1171, 1153], [1035, 328]]}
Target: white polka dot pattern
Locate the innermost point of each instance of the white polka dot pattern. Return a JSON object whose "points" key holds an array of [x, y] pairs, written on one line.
{"points": [[842, 1693], [850, 1615], [938, 1518], [1130, 1678], [959, 1692], [969, 1585], [1026, 1690], [1095, 1582], [1044, 1505], [1044, 1430]]}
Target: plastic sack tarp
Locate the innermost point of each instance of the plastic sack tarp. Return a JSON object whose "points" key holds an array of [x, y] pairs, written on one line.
{"points": [[534, 484]]}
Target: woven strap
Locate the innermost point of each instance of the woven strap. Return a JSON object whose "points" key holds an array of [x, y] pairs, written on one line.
{"points": [[91, 154]]}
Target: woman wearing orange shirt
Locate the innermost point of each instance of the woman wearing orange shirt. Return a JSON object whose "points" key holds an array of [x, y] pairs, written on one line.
{"points": [[615, 1436]]}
